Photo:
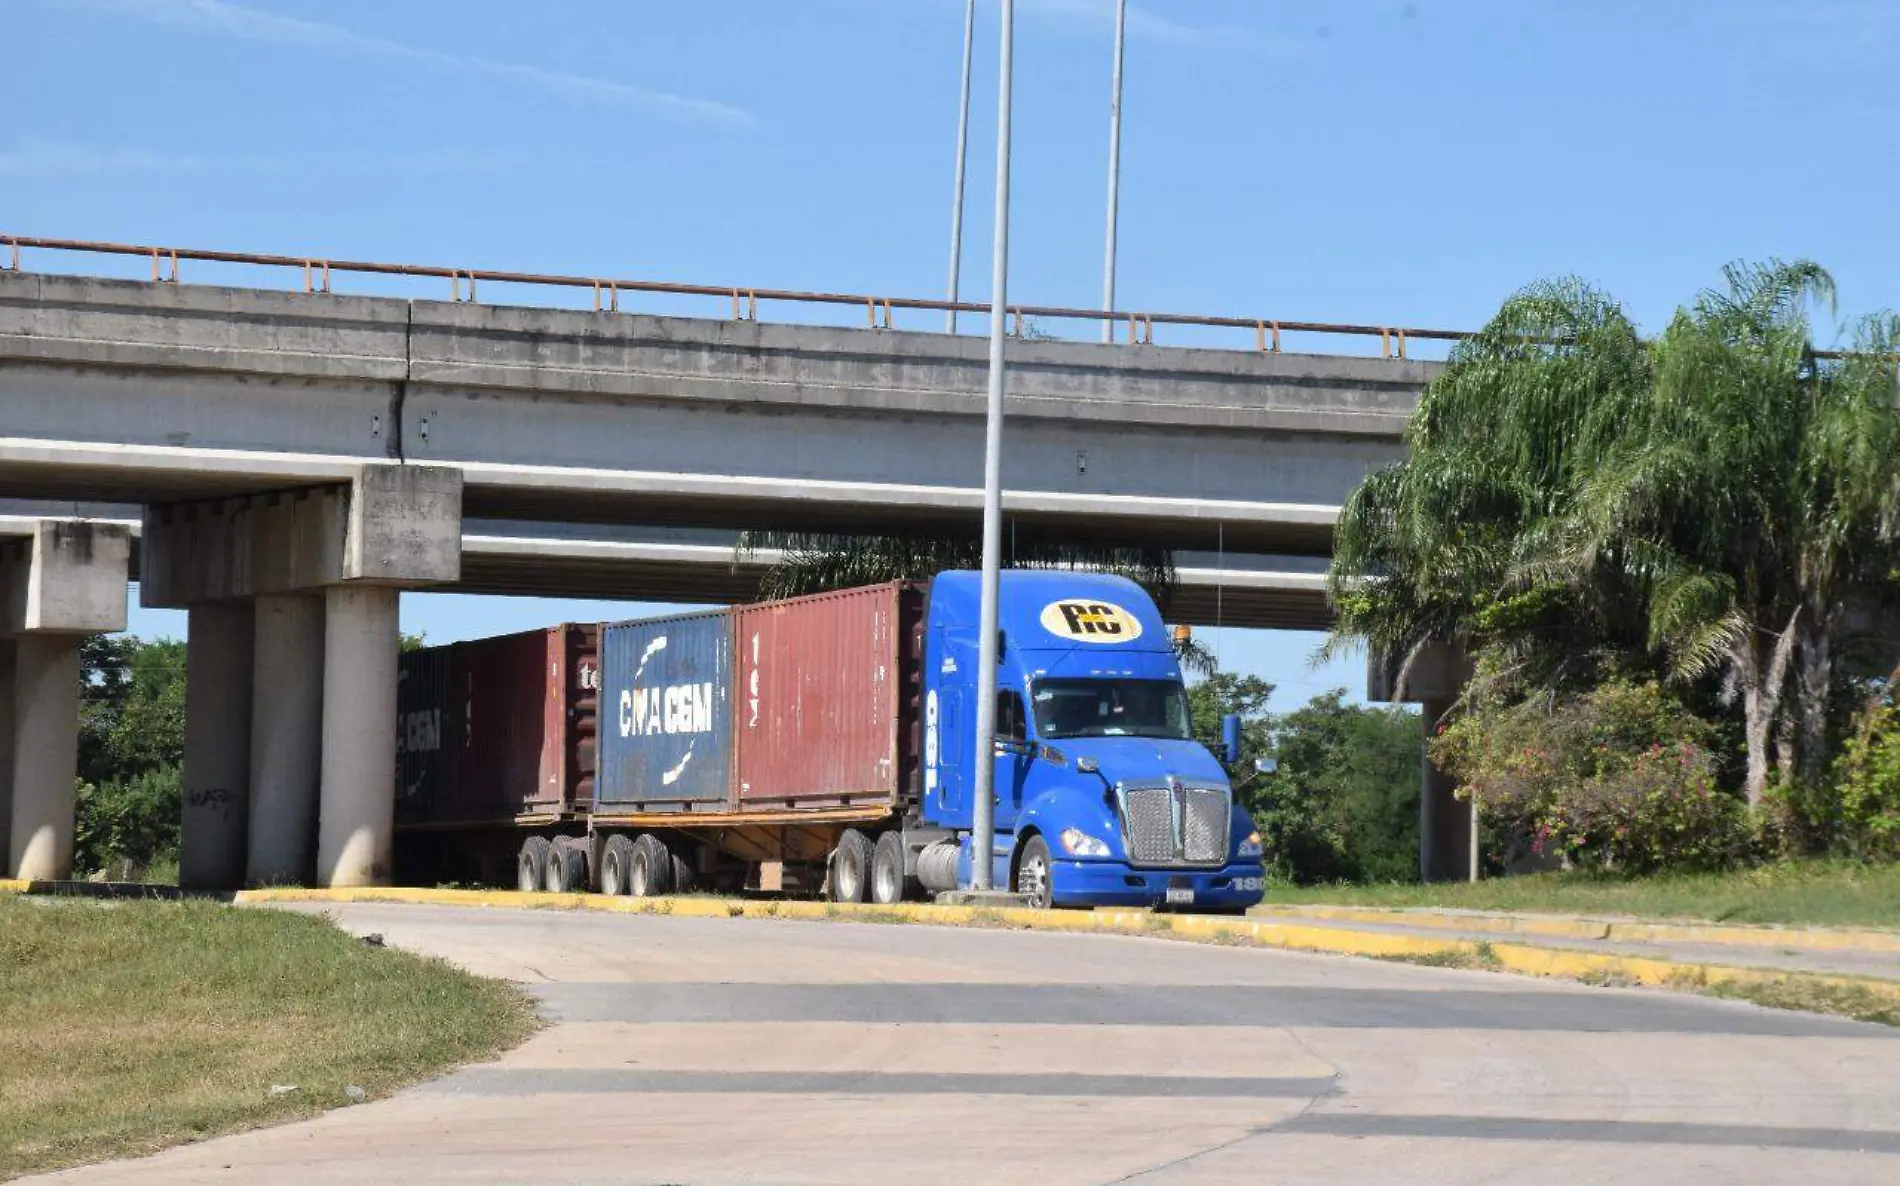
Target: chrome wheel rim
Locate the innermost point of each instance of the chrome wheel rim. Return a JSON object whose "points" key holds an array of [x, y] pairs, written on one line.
{"points": [[1032, 879]]}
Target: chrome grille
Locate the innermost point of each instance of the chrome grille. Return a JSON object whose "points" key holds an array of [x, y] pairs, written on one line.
{"points": [[1148, 819], [1175, 825]]}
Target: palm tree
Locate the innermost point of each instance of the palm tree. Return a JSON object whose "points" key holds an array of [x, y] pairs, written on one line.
{"points": [[1758, 489], [1449, 546]]}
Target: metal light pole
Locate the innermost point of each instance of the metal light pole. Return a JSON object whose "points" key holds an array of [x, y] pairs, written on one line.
{"points": [[985, 802], [1114, 172], [963, 145]]}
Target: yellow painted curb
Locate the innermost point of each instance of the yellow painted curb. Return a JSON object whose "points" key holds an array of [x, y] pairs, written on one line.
{"points": [[1602, 929], [13, 885], [1505, 956]]}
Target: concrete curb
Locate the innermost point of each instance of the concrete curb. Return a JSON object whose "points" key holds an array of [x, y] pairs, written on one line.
{"points": [[1521, 958], [1566, 926], [13, 885]]}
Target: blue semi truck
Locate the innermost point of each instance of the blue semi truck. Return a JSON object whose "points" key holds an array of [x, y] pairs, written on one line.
{"points": [[826, 744]]}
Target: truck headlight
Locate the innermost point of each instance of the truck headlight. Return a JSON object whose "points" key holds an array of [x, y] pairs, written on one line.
{"points": [[1250, 847], [1078, 843]]}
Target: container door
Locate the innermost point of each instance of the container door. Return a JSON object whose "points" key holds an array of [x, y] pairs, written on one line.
{"points": [[667, 712]]}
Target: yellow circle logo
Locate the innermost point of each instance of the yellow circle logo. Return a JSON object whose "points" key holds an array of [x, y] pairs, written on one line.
{"points": [[1090, 621]]}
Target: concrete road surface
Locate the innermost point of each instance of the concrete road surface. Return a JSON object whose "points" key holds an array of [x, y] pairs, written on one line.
{"points": [[713, 1051]]}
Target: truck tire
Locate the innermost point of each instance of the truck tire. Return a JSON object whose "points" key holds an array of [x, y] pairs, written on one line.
{"points": [[888, 886], [531, 867], [1032, 873], [850, 867], [567, 869], [615, 862], [681, 868], [650, 872]]}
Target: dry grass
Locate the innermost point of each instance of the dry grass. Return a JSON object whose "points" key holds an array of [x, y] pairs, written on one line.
{"points": [[129, 1026]]}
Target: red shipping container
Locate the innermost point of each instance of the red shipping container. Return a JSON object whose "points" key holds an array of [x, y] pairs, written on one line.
{"points": [[823, 684], [521, 719]]}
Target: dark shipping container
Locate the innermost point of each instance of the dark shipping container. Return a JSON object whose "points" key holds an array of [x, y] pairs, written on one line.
{"points": [[828, 688], [498, 729], [668, 708]]}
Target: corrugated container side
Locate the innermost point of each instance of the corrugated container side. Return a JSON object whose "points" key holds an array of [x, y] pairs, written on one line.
{"points": [[666, 704], [428, 734], [824, 681], [581, 728]]}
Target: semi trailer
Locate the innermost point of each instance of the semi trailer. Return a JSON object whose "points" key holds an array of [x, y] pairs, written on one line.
{"points": [[826, 744]]}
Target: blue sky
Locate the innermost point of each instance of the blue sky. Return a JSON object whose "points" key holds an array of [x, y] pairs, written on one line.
{"points": [[1390, 161]]}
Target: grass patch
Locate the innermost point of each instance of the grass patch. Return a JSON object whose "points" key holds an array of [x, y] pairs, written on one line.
{"points": [[127, 1026], [1816, 893], [1807, 996], [1479, 957]]}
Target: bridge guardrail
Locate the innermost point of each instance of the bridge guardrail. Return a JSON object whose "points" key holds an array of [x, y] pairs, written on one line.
{"points": [[317, 271]]}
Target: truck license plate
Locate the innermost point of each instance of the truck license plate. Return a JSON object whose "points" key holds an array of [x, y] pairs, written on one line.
{"points": [[1180, 895]]}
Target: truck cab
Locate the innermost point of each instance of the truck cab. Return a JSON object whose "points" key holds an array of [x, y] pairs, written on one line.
{"points": [[1103, 797]]}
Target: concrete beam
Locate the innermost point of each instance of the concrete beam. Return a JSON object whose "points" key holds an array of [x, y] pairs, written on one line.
{"points": [[64, 577], [395, 525]]}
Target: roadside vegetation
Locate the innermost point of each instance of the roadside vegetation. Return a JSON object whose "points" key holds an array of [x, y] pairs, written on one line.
{"points": [[129, 1026], [1670, 563], [1789, 893]]}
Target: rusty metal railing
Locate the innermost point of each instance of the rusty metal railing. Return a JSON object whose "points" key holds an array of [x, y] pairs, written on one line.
{"points": [[316, 273]]}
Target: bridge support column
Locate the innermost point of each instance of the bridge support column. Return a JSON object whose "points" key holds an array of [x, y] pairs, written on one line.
{"points": [[286, 739], [215, 789], [63, 580], [6, 755], [45, 755], [357, 816], [326, 566], [1447, 832]]}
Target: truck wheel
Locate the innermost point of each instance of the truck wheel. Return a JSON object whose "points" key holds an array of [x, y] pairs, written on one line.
{"points": [[650, 872], [615, 863], [567, 869], [531, 868], [680, 869], [887, 869], [850, 867], [1032, 874]]}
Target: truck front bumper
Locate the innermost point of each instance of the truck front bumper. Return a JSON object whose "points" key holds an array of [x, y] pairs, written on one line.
{"points": [[1116, 883]]}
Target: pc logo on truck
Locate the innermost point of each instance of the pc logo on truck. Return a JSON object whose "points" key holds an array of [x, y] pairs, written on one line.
{"points": [[1090, 621]]}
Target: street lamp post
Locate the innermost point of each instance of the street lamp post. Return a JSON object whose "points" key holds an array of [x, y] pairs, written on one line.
{"points": [[1114, 172], [984, 823], [963, 147]]}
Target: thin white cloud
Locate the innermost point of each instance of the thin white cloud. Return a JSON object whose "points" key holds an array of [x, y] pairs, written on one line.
{"points": [[45, 160], [36, 159], [218, 18], [1145, 23]]}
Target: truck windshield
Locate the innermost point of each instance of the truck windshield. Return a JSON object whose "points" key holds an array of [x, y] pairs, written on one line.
{"points": [[1111, 708]]}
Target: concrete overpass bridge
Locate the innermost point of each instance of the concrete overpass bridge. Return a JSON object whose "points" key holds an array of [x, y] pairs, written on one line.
{"points": [[294, 459]]}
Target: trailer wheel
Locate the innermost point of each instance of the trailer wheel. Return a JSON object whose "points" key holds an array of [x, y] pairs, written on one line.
{"points": [[680, 868], [531, 867], [887, 869], [615, 864], [1032, 874], [850, 867], [650, 872], [567, 869]]}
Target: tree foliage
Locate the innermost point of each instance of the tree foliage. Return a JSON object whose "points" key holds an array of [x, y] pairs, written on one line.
{"points": [[1581, 506], [131, 748]]}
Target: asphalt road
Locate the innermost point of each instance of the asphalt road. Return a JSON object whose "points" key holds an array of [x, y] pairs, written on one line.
{"points": [[714, 1051]]}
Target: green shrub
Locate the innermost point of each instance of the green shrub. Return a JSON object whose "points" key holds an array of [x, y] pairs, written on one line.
{"points": [[1865, 805], [134, 819], [1621, 778]]}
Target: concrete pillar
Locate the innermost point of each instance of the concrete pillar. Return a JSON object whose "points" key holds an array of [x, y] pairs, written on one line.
{"points": [[6, 753], [45, 755], [357, 802], [1445, 837], [216, 783], [286, 739]]}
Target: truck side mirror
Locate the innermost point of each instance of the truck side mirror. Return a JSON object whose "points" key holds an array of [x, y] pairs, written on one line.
{"points": [[1230, 738]]}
